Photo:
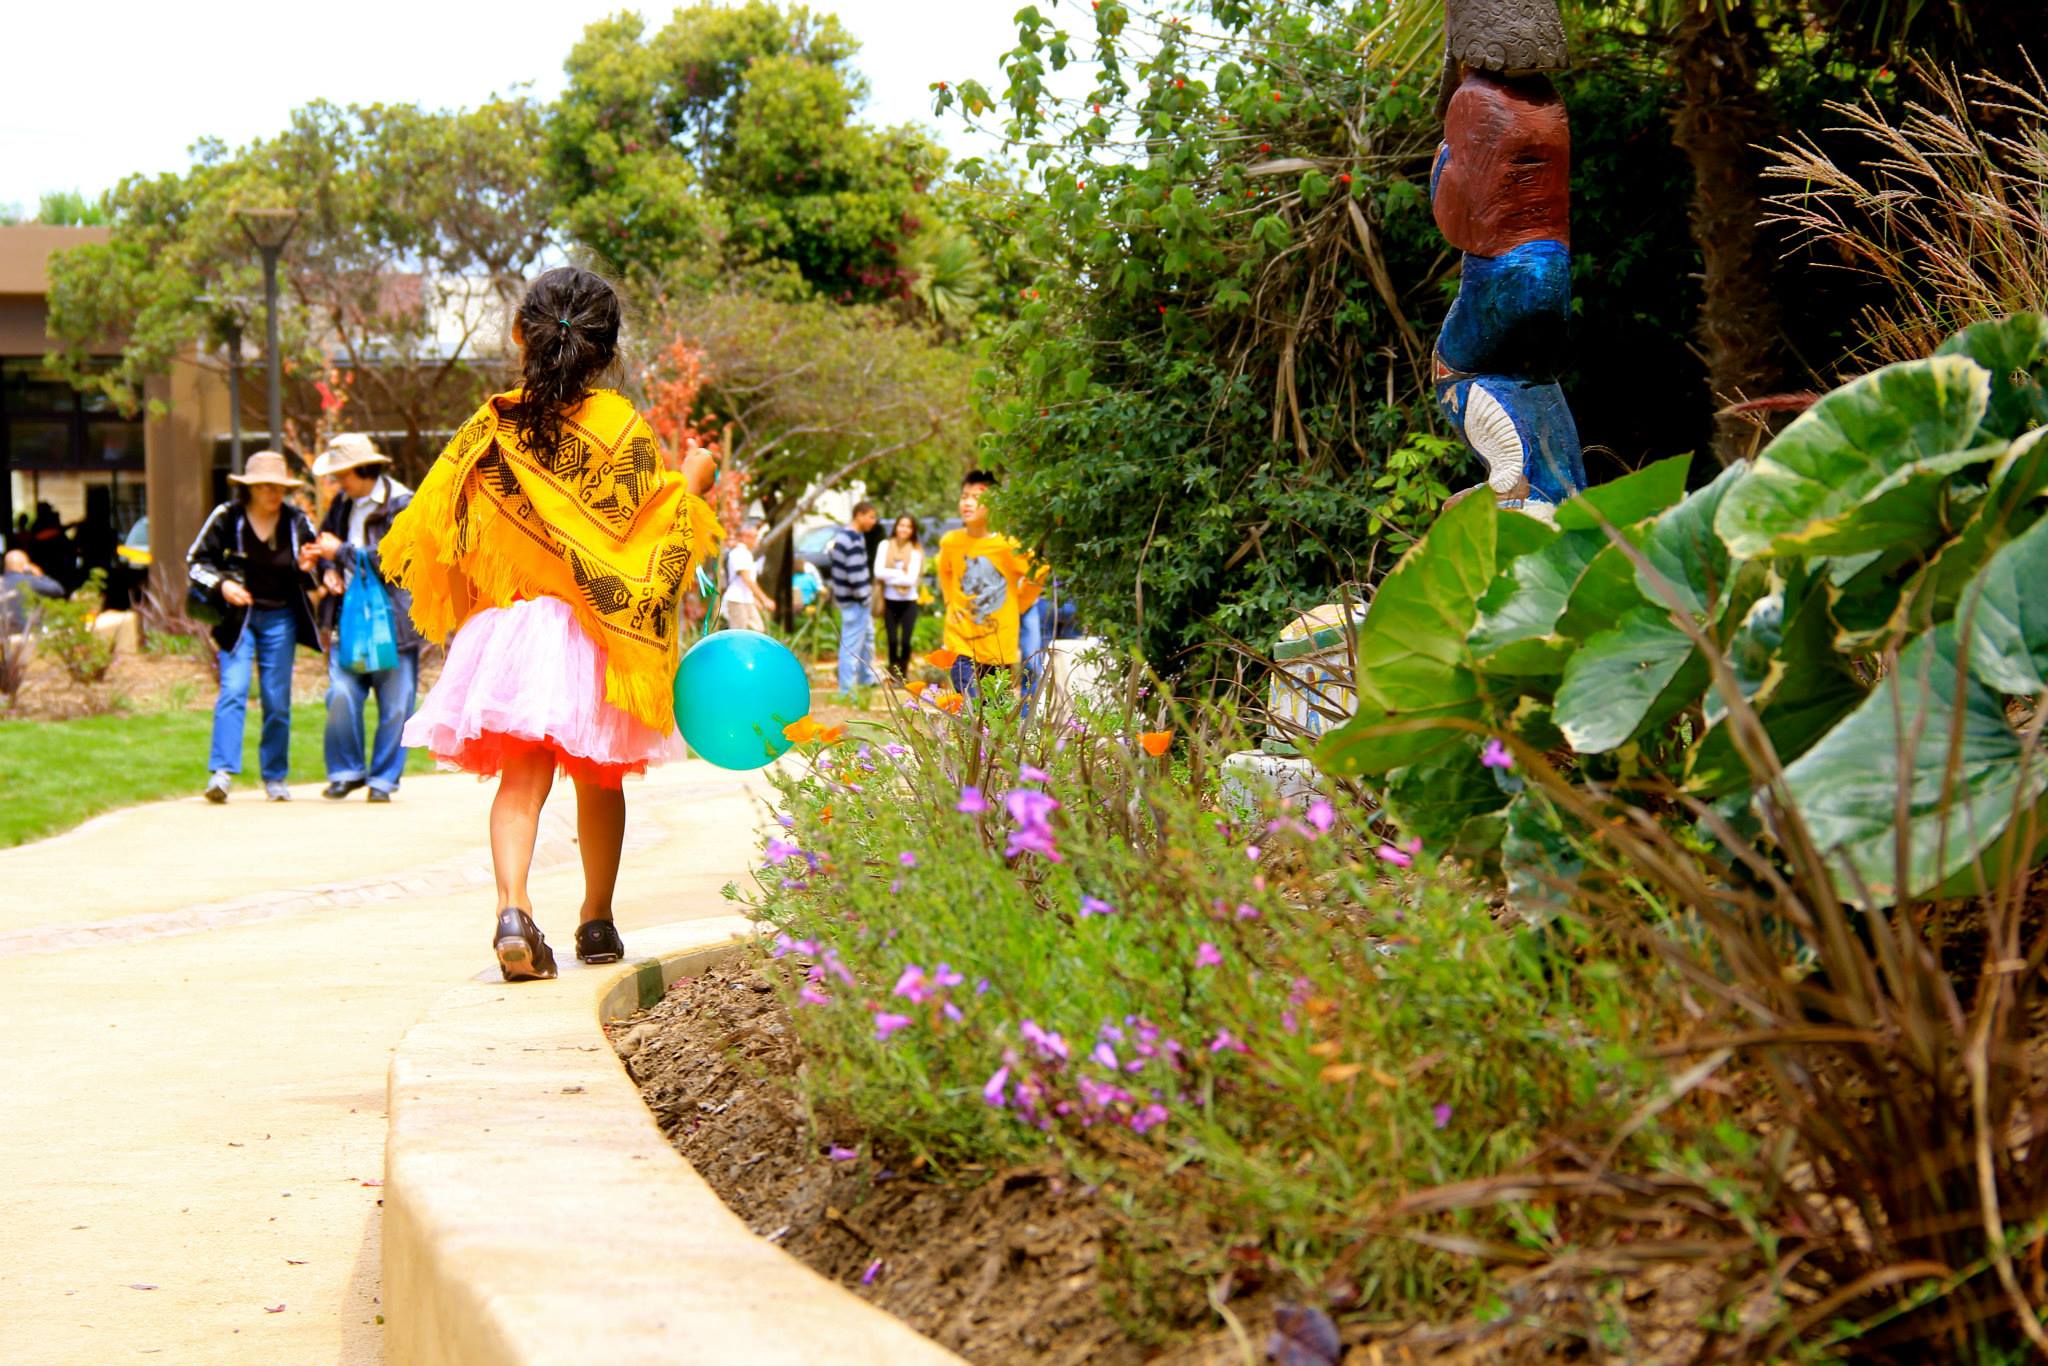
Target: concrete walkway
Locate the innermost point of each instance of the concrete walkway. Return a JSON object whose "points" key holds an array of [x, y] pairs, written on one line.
{"points": [[200, 1005]]}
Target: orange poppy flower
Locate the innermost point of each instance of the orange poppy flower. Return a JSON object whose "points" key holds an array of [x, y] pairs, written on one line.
{"points": [[800, 732], [831, 735], [824, 815], [916, 687], [1156, 742], [942, 658], [952, 703]]}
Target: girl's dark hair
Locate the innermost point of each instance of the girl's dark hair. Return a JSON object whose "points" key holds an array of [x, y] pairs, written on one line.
{"points": [[569, 321], [906, 517]]}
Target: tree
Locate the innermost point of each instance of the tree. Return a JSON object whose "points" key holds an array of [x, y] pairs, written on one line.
{"points": [[808, 394], [418, 229], [729, 138]]}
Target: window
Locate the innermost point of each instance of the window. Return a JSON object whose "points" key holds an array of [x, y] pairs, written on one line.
{"points": [[45, 424]]}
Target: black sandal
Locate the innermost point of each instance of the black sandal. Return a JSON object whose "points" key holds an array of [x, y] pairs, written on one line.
{"points": [[597, 941], [523, 954]]}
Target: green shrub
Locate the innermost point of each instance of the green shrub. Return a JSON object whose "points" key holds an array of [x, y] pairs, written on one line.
{"points": [[68, 636]]}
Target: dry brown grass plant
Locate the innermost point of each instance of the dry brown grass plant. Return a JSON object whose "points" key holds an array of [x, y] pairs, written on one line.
{"points": [[1948, 210]]}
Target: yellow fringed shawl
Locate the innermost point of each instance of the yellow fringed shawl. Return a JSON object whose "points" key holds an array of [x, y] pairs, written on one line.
{"points": [[597, 523]]}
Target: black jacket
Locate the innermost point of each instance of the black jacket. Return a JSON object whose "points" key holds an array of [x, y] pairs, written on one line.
{"points": [[355, 557], [217, 556]]}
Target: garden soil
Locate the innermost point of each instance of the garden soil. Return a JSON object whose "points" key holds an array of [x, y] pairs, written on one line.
{"points": [[1004, 1266]]}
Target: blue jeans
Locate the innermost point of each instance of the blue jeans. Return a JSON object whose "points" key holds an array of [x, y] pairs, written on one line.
{"points": [[267, 643], [1033, 639], [347, 691], [856, 647]]}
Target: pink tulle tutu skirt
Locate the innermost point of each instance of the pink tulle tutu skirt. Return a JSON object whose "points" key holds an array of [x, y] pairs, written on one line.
{"points": [[527, 676]]}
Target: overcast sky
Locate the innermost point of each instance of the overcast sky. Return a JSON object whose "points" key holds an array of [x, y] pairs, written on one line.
{"points": [[110, 87]]}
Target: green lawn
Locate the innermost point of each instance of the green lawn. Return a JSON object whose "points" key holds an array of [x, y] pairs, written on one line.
{"points": [[55, 774]]}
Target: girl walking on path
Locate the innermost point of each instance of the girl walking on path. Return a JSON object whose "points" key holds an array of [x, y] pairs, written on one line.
{"points": [[552, 542], [245, 564], [899, 568]]}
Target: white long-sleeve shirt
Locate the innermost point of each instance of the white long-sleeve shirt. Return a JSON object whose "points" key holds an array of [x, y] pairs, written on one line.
{"points": [[899, 582]]}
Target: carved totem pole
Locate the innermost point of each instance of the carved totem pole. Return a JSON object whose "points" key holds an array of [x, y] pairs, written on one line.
{"points": [[1501, 191]]}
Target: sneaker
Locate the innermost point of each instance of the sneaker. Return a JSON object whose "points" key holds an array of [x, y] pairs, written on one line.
{"points": [[597, 941], [378, 794], [340, 788], [276, 791], [523, 955], [217, 786]]}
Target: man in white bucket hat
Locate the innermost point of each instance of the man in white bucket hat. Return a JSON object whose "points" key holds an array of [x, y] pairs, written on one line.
{"points": [[368, 499]]}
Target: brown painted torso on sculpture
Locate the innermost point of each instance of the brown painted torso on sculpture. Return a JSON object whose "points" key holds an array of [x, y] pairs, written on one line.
{"points": [[1506, 177]]}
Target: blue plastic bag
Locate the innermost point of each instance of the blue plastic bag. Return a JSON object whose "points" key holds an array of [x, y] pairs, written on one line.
{"points": [[367, 640]]}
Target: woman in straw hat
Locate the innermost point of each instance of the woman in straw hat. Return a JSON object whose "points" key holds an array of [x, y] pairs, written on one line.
{"points": [[245, 566]]}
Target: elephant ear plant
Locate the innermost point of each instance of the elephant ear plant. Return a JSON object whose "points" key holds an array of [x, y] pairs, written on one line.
{"points": [[1869, 590]]}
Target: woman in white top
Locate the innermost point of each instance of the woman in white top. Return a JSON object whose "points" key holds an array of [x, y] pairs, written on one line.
{"points": [[899, 567], [744, 599]]}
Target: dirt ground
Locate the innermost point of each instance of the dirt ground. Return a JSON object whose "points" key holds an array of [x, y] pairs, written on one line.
{"points": [[158, 682]]}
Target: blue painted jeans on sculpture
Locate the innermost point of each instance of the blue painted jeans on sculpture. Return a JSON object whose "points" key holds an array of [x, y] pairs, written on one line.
{"points": [[1543, 424], [1511, 312], [347, 691], [856, 647], [266, 646]]}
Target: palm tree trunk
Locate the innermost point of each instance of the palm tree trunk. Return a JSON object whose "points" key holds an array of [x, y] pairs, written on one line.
{"points": [[1722, 116]]}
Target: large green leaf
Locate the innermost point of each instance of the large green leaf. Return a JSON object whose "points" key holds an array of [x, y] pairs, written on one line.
{"points": [[1605, 593], [2006, 615], [1441, 798], [1790, 673], [1616, 683], [1684, 551], [1934, 741], [2015, 351], [1889, 436], [1515, 632], [1627, 500], [1411, 646]]}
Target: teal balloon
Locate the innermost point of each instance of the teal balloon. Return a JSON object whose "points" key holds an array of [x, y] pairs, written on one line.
{"points": [[735, 691]]}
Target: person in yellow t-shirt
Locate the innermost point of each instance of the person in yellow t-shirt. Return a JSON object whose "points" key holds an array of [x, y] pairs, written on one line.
{"points": [[986, 579]]}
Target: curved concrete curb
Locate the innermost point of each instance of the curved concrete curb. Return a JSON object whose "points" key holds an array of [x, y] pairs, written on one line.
{"points": [[535, 1216]]}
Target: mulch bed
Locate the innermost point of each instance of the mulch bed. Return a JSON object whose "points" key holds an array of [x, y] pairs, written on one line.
{"points": [[153, 682], [1002, 1267]]}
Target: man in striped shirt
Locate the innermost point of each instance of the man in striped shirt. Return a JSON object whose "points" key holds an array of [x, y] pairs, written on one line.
{"points": [[848, 570]]}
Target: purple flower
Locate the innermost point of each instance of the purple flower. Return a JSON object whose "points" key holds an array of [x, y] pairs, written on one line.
{"points": [[971, 802], [1252, 852], [1100, 1095], [811, 996], [913, 985], [981, 986], [1207, 955], [1247, 911], [1402, 856], [952, 1012], [1106, 1056], [944, 976], [874, 1269], [780, 852], [794, 884], [1496, 755], [907, 859], [887, 1023], [1442, 1113], [1031, 773], [998, 1081], [1031, 809], [1095, 905], [839, 1154], [894, 751], [1049, 1044], [1322, 815], [1151, 1117], [1225, 1041]]}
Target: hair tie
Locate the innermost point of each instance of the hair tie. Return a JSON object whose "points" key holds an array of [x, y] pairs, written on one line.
{"points": [[563, 321]]}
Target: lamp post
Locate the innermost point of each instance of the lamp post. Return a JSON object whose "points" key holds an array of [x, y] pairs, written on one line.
{"points": [[268, 230]]}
